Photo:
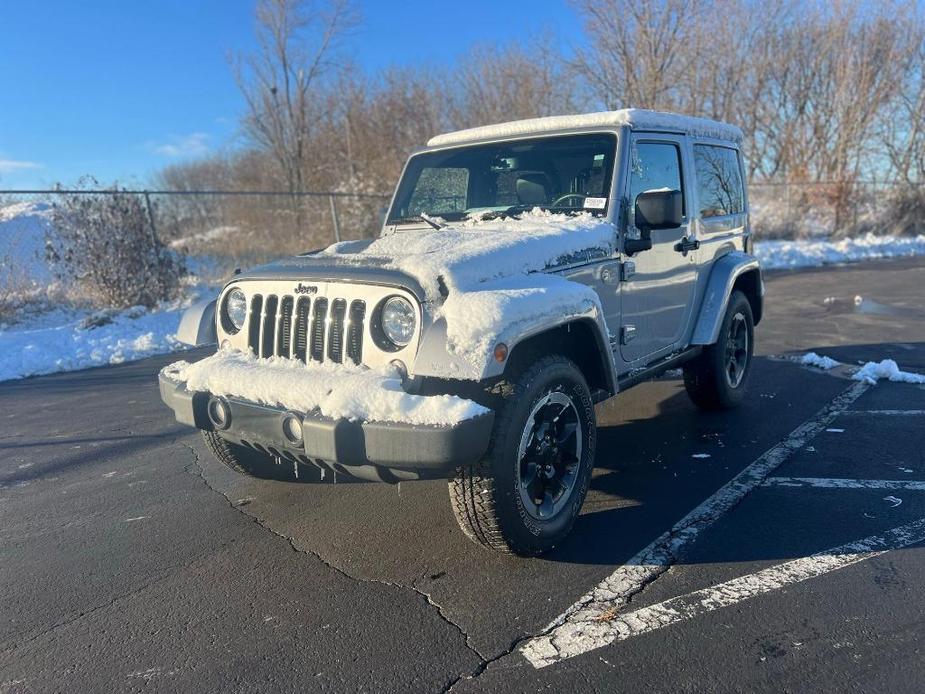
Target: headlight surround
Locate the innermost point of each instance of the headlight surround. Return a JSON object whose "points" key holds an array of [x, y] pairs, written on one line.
{"points": [[398, 320], [234, 311]]}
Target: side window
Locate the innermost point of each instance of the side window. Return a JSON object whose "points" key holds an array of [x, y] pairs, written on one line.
{"points": [[440, 190], [719, 181], [654, 166]]}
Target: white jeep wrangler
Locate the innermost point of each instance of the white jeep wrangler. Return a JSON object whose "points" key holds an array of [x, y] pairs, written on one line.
{"points": [[525, 271]]}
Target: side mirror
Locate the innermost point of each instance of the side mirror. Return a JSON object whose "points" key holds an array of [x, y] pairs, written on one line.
{"points": [[655, 209], [659, 209]]}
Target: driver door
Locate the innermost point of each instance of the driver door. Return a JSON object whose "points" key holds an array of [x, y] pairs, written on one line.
{"points": [[657, 298]]}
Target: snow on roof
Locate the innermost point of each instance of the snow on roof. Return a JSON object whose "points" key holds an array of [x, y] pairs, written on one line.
{"points": [[637, 119]]}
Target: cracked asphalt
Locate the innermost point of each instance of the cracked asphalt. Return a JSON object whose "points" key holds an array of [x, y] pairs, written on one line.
{"points": [[130, 560]]}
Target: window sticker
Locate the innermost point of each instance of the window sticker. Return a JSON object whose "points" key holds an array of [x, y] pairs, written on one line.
{"points": [[595, 203]]}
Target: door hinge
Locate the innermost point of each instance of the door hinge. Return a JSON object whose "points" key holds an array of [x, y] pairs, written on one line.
{"points": [[627, 270], [627, 333]]}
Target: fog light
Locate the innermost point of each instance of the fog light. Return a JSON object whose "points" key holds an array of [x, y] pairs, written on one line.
{"points": [[292, 429], [500, 352], [226, 345], [219, 413]]}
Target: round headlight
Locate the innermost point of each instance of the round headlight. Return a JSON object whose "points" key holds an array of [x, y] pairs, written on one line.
{"points": [[236, 309], [398, 321]]}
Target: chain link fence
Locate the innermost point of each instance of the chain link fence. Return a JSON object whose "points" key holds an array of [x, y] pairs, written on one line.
{"points": [[246, 227], [242, 227]]}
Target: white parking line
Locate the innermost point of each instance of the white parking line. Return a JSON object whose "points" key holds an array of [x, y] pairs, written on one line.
{"points": [[836, 483], [558, 639], [887, 413], [684, 607]]}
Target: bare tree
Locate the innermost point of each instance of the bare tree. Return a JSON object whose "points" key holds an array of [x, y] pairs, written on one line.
{"points": [[495, 84], [638, 54], [298, 42]]}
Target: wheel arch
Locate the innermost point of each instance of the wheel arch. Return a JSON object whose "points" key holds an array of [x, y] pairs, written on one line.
{"points": [[734, 271], [581, 341]]}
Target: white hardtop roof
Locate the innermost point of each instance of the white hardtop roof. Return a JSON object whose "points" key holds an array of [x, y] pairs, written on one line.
{"points": [[635, 118]]}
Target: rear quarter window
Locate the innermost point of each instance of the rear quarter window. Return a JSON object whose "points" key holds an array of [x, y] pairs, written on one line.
{"points": [[720, 190]]}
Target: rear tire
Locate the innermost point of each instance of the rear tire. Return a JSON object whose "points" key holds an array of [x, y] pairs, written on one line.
{"points": [[523, 497], [717, 379]]}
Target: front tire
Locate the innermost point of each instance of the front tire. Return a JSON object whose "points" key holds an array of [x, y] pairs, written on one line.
{"points": [[523, 497], [247, 461], [717, 379]]}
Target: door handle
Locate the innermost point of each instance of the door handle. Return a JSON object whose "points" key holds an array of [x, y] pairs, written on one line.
{"points": [[686, 245]]}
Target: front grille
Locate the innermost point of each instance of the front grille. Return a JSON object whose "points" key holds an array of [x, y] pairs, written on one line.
{"points": [[304, 329]]}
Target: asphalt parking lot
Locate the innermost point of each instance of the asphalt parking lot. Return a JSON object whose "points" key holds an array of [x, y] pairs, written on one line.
{"points": [[778, 547]]}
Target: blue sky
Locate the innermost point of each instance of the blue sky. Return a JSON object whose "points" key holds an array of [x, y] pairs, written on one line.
{"points": [[119, 89]]}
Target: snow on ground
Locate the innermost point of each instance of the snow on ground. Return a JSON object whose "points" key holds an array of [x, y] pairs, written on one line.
{"points": [[887, 369], [63, 340], [337, 390], [871, 372], [817, 360], [23, 228], [194, 241], [777, 255]]}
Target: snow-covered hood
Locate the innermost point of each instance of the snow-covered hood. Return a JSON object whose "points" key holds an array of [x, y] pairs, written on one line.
{"points": [[457, 258], [318, 267]]}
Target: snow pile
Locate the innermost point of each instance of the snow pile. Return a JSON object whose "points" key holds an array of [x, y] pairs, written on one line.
{"points": [[337, 390], [776, 255], [819, 361], [62, 340], [634, 117], [873, 371], [23, 228], [204, 238]]}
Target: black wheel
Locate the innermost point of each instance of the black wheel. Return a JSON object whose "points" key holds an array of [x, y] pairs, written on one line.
{"points": [[524, 496], [717, 379], [247, 461]]}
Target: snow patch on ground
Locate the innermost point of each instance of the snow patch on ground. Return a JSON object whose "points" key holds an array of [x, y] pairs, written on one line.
{"points": [[887, 369], [777, 255], [61, 340], [205, 237], [337, 390], [819, 361]]}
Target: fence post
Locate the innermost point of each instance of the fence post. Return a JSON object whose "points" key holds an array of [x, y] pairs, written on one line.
{"points": [[334, 219], [151, 217]]}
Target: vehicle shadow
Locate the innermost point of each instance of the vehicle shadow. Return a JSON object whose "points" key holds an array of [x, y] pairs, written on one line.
{"points": [[647, 476]]}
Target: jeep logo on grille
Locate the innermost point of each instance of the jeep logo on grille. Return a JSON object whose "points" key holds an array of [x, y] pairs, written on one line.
{"points": [[306, 289]]}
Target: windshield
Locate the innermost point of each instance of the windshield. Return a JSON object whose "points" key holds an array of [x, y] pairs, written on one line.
{"points": [[567, 173]]}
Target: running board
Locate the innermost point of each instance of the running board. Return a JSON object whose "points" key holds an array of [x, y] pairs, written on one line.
{"points": [[658, 368]]}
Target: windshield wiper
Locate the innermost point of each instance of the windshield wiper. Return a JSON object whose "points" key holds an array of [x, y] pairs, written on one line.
{"points": [[426, 218]]}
